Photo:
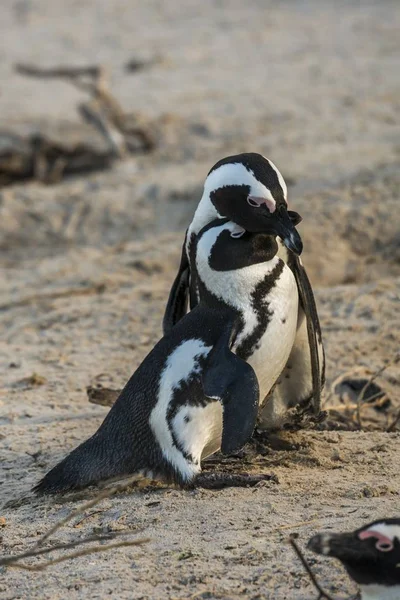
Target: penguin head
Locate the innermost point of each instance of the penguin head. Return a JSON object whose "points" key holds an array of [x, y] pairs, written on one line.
{"points": [[371, 555], [249, 190]]}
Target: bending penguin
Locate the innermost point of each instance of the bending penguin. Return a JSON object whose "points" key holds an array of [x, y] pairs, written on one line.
{"points": [[250, 191], [195, 393], [370, 555]]}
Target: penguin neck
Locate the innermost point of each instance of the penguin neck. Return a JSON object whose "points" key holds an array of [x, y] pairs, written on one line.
{"points": [[380, 592], [205, 213]]}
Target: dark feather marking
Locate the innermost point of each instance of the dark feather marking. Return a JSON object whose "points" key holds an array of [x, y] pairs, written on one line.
{"points": [[248, 345], [188, 392]]}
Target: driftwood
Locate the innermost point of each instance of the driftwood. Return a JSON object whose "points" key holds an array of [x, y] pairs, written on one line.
{"points": [[368, 385], [38, 157], [102, 396], [357, 393], [137, 64]]}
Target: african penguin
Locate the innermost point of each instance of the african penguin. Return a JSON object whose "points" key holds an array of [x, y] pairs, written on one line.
{"points": [[371, 556], [250, 191], [195, 393]]}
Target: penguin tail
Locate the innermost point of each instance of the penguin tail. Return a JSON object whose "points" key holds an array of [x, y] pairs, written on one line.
{"points": [[88, 464]]}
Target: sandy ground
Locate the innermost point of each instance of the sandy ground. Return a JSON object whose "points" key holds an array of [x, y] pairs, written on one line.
{"points": [[86, 268]]}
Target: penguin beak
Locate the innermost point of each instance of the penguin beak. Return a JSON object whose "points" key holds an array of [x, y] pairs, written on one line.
{"points": [[344, 546], [284, 223]]}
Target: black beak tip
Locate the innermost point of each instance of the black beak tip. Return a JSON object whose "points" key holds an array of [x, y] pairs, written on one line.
{"points": [[294, 243], [314, 544]]}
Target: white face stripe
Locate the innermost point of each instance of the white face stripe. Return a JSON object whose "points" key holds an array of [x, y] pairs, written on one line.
{"points": [[279, 176], [230, 174], [325, 539], [390, 531], [236, 174], [181, 364]]}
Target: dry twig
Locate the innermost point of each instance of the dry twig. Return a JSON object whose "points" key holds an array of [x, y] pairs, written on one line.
{"points": [[62, 72], [37, 549], [393, 424], [366, 386], [292, 526], [296, 548], [106, 493], [13, 561]]}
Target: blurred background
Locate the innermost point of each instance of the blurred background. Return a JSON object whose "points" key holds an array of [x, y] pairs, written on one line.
{"points": [[312, 85], [111, 114]]}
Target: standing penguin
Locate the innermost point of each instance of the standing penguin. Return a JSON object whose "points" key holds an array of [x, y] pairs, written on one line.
{"points": [[195, 393], [371, 556], [250, 191]]}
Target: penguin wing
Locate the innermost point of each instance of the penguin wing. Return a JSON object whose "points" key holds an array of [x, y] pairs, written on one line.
{"points": [[233, 382], [178, 297], [316, 357]]}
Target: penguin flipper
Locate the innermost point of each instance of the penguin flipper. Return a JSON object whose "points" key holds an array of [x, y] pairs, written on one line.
{"points": [[233, 382], [307, 303], [178, 297]]}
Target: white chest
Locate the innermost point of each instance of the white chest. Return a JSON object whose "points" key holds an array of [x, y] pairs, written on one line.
{"points": [[275, 345], [269, 317]]}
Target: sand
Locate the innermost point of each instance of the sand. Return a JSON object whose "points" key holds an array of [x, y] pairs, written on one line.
{"points": [[86, 267]]}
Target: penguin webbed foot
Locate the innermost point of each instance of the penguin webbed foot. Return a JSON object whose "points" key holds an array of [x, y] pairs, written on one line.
{"points": [[303, 415], [218, 481]]}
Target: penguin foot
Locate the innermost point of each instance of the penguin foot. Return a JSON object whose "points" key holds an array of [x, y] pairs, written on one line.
{"points": [[302, 416], [218, 481]]}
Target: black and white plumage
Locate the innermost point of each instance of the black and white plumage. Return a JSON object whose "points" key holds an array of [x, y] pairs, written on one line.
{"points": [[195, 393], [371, 556], [250, 191]]}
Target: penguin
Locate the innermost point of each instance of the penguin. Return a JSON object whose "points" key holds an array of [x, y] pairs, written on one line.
{"points": [[249, 190], [370, 555], [196, 393]]}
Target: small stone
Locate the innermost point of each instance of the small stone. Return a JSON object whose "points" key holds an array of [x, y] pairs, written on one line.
{"points": [[185, 555]]}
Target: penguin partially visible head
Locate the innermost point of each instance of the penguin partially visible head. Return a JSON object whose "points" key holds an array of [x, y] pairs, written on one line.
{"points": [[249, 190], [371, 556]]}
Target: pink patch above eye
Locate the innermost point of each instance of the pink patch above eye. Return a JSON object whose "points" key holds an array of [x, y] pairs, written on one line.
{"points": [[383, 543], [271, 205], [257, 201]]}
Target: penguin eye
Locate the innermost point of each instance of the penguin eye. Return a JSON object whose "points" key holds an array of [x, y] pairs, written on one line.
{"points": [[252, 202], [384, 546], [383, 543]]}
